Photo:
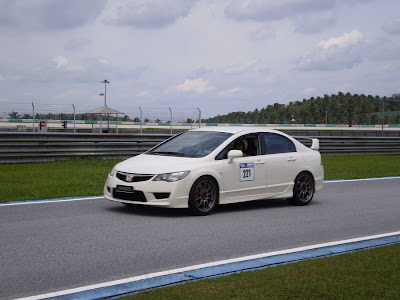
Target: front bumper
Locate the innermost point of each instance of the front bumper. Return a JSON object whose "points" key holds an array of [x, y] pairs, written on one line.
{"points": [[152, 193]]}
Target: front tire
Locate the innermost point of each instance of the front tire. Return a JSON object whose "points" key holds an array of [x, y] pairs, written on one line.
{"points": [[303, 190], [203, 196]]}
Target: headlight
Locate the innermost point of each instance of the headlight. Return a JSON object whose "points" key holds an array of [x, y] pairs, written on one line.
{"points": [[112, 173], [171, 177]]}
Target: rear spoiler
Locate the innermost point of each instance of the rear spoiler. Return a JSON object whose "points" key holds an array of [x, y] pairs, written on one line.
{"points": [[314, 142]]}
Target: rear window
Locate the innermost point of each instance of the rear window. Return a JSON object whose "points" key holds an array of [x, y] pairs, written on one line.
{"points": [[275, 143]]}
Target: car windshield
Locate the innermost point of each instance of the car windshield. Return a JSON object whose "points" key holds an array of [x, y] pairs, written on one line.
{"points": [[191, 144]]}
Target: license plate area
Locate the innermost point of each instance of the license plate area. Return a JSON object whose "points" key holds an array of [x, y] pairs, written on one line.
{"points": [[125, 188]]}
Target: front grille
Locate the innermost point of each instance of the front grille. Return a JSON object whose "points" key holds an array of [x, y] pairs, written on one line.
{"points": [[135, 196], [132, 177]]}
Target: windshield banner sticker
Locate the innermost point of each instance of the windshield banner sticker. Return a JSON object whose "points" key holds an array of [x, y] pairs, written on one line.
{"points": [[246, 171]]}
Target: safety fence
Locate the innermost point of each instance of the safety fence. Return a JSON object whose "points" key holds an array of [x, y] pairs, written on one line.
{"points": [[195, 122], [37, 147]]}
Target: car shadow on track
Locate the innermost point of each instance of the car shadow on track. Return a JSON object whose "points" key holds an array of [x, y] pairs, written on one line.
{"points": [[253, 205], [151, 211]]}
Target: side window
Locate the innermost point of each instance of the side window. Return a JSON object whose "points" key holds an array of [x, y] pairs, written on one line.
{"points": [[249, 144], [275, 143]]}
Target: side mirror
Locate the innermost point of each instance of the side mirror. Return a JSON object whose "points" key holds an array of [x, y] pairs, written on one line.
{"points": [[234, 154], [315, 144]]}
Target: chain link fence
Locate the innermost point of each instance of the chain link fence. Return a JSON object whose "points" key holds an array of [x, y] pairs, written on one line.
{"points": [[68, 111], [79, 113]]}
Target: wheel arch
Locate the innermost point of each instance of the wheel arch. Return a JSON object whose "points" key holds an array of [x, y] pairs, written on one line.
{"points": [[305, 172], [213, 179]]}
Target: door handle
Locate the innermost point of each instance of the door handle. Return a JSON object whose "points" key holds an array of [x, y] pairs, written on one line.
{"points": [[292, 159], [259, 162]]}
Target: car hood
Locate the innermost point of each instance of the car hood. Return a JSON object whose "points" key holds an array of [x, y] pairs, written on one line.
{"points": [[157, 164]]}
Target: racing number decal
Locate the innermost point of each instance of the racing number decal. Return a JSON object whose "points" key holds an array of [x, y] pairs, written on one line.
{"points": [[246, 171]]}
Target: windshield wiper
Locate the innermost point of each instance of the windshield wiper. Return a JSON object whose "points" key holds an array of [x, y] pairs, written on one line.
{"points": [[167, 153]]}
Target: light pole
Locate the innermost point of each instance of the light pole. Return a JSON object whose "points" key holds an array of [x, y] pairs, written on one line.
{"points": [[141, 131], [105, 81], [199, 117], [33, 118]]}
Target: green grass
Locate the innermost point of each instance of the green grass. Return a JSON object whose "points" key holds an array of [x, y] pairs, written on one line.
{"points": [[78, 177], [86, 176], [360, 166], [368, 274]]}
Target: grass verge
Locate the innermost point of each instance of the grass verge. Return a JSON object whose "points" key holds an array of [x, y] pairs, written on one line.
{"points": [[77, 177], [86, 176], [368, 274], [360, 166]]}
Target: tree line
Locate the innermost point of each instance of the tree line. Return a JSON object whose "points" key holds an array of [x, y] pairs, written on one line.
{"points": [[330, 109]]}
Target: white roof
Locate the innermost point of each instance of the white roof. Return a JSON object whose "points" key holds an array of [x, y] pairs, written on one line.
{"points": [[234, 129], [105, 110]]}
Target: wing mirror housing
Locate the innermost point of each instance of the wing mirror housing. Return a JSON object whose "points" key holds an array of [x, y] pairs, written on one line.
{"points": [[234, 154], [315, 144]]}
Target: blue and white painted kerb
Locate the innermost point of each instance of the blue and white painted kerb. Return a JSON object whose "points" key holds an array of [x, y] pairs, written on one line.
{"points": [[53, 200], [221, 268]]}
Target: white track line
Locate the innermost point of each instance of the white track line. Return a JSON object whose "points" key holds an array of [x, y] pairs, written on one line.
{"points": [[49, 201], [362, 179]]}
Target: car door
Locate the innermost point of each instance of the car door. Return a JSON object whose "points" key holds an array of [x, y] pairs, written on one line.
{"points": [[282, 162], [243, 178]]}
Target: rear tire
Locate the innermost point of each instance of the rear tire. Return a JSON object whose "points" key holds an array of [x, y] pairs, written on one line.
{"points": [[203, 196], [303, 189]]}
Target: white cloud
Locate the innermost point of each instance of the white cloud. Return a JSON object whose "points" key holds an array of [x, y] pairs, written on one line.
{"points": [[241, 68], [263, 34], [146, 14], [230, 92], [1, 77], [198, 86], [63, 63], [267, 10], [269, 79], [345, 87], [345, 40], [104, 61], [60, 61], [309, 91], [331, 59], [336, 53], [143, 94], [48, 14]]}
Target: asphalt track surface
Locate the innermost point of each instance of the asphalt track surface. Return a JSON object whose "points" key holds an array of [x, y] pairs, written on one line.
{"points": [[48, 247]]}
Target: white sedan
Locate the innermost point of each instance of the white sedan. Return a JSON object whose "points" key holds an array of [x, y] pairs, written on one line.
{"points": [[204, 167]]}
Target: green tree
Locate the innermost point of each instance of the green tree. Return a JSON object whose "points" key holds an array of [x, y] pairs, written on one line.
{"points": [[14, 115]]}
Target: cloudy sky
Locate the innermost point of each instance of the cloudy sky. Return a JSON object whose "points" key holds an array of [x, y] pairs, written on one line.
{"points": [[220, 56]]}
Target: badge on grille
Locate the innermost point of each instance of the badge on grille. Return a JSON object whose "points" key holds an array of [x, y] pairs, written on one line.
{"points": [[129, 178]]}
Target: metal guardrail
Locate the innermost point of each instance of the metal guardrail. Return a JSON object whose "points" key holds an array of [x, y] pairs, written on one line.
{"points": [[37, 147], [330, 145]]}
